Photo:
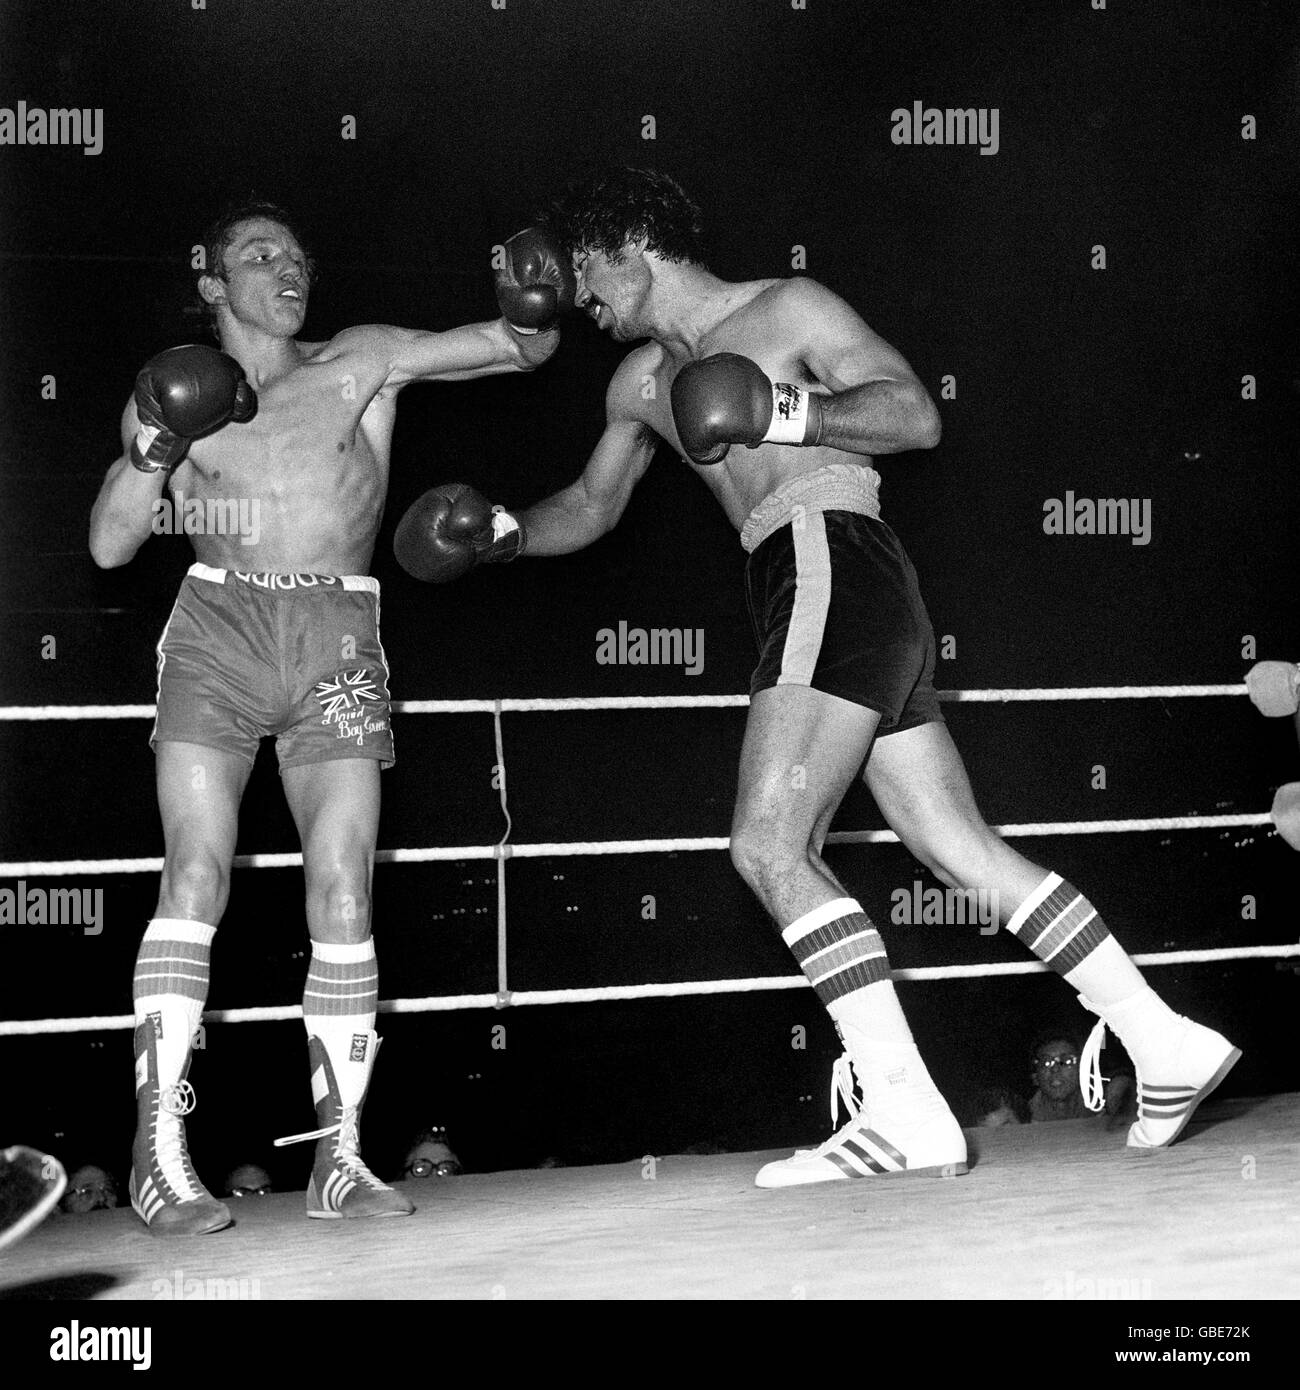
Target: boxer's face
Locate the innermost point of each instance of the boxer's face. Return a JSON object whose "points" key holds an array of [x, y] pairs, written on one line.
{"points": [[1056, 1069], [266, 280], [615, 292]]}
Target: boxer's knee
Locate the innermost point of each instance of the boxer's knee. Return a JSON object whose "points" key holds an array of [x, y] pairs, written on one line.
{"points": [[767, 851], [338, 903], [195, 886]]}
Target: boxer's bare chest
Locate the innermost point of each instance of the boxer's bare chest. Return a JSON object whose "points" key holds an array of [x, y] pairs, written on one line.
{"points": [[312, 465], [321, 425], [760, 331]]}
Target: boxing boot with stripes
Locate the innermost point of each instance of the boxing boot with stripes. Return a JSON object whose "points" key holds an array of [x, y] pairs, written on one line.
{"points": [[341, 1185], [1178, 1064], [165, 1191], [920, 1139]]}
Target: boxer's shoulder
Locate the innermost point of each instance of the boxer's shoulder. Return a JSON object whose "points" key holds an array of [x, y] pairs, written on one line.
{"points": [[637, 384], [798, 296], [361, 355], [366, 341]]}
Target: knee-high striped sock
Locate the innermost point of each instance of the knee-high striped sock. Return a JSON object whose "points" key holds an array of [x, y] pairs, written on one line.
{"points": [[339, 1005], [841, 953], [171, 986], [1063, 929]]}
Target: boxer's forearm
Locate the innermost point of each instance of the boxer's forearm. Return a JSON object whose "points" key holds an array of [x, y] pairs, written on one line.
{"points": [[122, 517], [879, 417], [566, 522]]}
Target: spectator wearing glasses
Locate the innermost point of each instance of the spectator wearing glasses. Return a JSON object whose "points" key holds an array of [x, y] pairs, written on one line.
{"points": [[1054, 1070], [90, 1188], [431, 1156]]}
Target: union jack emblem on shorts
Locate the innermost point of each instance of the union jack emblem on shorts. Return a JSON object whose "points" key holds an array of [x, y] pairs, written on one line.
{"points": [[347, 691]]}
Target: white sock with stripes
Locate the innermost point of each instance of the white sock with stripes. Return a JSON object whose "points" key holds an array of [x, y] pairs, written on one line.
{"points": [[339, 1004]]}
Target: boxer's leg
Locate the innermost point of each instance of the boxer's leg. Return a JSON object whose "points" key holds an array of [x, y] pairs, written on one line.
{"points": [[199, 790], [336, 808], [920, 784], [802, 749]]}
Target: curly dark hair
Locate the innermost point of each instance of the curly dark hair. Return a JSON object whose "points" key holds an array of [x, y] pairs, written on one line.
{"points": [[217, 238], [608, 209]]}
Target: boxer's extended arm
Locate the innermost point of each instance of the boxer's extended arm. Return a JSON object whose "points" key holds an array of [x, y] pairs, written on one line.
{"points": [[877, 405], [586, 509], [122, 517], [403, 355]]}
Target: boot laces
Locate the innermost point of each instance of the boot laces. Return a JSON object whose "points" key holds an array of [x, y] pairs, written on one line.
{"points": [[845, 1091], [1091, 1082], [177, 1100], [169, 1148], [345, 1150]]}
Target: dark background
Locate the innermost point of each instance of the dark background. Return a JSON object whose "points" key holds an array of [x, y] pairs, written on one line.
{"points": [[1119, 127]]}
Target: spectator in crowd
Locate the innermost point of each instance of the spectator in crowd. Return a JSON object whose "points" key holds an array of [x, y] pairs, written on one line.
{"points": [[90, 1188], [247, 1180]]}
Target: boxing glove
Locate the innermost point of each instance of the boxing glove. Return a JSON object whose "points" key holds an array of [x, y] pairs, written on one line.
{"points": [[727, 399], [451, 529], [535, 284], [182, 394]]}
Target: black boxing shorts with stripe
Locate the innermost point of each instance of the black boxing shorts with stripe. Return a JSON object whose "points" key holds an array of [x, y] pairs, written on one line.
{"points": [[294, 656], [834, 599]]}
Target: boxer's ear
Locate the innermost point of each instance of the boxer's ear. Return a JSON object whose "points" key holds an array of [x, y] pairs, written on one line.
{"points": [[212, 289]]}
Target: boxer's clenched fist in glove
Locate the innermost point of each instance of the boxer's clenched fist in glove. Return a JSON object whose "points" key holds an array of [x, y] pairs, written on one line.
{"points": [[182, 394], [727, 399], [451, 529], [535, 285]]}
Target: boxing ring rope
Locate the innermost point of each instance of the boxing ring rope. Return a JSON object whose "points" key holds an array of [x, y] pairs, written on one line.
{"points": [[19, 713], [503, 850]]}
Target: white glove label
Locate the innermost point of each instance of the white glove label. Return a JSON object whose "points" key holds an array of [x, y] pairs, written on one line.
{"points": [[502, 524], [789, 414], [145, 437]]}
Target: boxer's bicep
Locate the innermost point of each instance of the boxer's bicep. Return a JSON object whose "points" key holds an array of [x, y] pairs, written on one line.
{"points": [[592, 504], [839, 349], [388, 356], [617, 464]]}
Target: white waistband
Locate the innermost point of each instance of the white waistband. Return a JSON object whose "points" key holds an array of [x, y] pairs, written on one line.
{"points": [[838, 487], [286, 583]]}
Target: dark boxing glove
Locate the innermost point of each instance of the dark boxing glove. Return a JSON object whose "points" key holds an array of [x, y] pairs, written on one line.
{"points": [[451, 529], [535, 285], [184, 393], [727, 399]]}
